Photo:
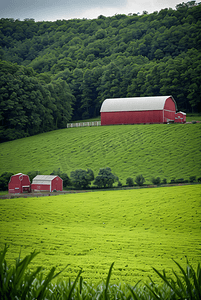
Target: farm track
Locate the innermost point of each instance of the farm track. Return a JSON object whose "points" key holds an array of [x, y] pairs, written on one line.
{"points": [[44, 194]]}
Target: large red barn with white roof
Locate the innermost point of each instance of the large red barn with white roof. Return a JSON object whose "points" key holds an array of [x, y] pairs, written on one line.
{"points": [[138, 110]]}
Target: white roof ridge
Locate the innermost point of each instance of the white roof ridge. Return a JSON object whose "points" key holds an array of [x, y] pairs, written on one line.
{"points": [[135, 103]]}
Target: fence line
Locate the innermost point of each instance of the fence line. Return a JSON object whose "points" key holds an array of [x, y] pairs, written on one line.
{"points": [[84, 124]]}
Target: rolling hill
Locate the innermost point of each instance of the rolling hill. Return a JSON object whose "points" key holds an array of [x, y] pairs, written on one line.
{"points": [[136, 229], [167, 151]]}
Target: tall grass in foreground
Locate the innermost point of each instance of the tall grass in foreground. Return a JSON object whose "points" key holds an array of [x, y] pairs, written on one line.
{"points": [[18, 282]]}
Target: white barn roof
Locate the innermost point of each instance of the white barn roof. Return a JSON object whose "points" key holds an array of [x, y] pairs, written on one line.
{"points": [[43, 179], [134, 104]]}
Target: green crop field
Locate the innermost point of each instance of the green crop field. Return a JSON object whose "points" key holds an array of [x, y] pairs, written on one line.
{"points": [[136, 229], [167, 151]]}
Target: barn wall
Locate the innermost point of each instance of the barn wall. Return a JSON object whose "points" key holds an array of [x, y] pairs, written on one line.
{"points": [[170, 105], [180, 117], [15, 185], [131, 117], [40, 187], [169, 110], [14, 188], [57, 184]]}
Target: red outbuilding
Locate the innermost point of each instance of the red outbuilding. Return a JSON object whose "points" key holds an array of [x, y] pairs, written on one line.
{"points": [[48, 183], [19, 183], [139, 110], [180, 117]]}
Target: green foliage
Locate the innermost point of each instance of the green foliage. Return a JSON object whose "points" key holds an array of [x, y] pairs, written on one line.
{"points": [[181, 180], [139, 180], [28, 105], [192, 178], [156, 180], [32, 174], [186, 285], [105, 178], [82, 178], [128, 150], [4, 180], [129, 181], [119, 56], [136, 228], [21, 283], [119, 184]]}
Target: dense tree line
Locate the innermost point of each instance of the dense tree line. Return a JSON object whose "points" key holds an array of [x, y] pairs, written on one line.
{"points": [[28, 105], [119, 56]]}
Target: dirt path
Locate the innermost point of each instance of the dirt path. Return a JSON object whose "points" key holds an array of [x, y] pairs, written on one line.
{"points": [[47, 194]]}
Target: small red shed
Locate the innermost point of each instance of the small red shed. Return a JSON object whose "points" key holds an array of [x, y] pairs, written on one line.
{"points": [[48, 183], [158, 109], [19, 183], [180, 117]]}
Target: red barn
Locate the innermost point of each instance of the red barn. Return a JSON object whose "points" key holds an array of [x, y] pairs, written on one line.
{"points": [[48, 183], [159, 109], [180, 117], [19, 183]]}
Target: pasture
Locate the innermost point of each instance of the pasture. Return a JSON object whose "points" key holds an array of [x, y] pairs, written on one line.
{"points": [[167, 151], [136, 229]]}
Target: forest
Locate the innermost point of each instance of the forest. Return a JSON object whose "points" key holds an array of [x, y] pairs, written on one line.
{"points": [[55, 72]]}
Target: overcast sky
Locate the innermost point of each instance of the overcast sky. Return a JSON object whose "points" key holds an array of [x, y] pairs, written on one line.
{"points": [[52, 10]]}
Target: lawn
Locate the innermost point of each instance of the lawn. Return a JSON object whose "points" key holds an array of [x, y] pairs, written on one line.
{"points": [[193, 117], [168, 151], [136, 229]]}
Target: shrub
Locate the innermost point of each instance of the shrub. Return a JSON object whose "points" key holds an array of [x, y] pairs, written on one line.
{"points": [[199, 179], [192, 178], [82, 178], [119, 184], [105, 178], [63, 176], [33, 174], [181, 180], [156, 180], [139, 180], [4, 180], [129, 181], [172, 181], [164, 181]]}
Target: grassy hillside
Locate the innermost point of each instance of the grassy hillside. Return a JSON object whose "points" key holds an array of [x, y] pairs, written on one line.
{"points": [[166, 151], [136, 229]]}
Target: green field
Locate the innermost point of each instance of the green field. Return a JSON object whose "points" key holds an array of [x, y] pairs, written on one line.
{"points": [[136, 229], [167, 151]]}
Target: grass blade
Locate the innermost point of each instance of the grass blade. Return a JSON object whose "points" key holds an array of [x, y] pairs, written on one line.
{"points": [[42, 288], [108, 280], [73, 285], [186, 279]]}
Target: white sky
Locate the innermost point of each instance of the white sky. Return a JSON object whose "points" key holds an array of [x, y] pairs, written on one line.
{"points": [[52, 10]]}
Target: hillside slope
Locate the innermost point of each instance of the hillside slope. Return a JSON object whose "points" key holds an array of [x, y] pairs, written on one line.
{"points": [[136, 229], [166, 151]]}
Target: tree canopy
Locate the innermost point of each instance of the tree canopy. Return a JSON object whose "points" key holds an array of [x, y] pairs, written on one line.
{"points": [[105, 178], [67, 68]]}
